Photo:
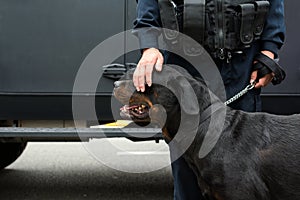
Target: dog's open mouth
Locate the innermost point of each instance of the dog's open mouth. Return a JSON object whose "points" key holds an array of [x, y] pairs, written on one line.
{"points": [[135, 111]]}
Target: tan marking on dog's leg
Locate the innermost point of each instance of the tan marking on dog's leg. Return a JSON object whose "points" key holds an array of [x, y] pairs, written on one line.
{"points": [[217, 196], [166, 134]]}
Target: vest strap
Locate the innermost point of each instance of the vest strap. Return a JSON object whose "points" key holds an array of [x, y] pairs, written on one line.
{"points": [[194, 26], [169, 21], [194, 19]]}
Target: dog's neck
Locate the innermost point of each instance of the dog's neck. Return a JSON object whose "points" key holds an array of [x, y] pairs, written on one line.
{"points": [[208, 102], [208, 105]]}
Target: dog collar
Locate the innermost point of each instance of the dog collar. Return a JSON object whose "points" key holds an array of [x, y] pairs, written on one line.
{"points": [[210, 110]]}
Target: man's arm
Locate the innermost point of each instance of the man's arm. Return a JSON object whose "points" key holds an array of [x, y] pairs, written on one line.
{"points": [[147, 29], [147, 23], [272, 37], [274, 31]]}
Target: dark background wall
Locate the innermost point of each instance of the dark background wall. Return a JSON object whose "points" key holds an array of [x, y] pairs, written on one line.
{"points": [[43, 43]]}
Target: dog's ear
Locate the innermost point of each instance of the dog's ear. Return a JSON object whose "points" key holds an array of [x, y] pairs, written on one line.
{"points": [[158, 114], [185, 93]]}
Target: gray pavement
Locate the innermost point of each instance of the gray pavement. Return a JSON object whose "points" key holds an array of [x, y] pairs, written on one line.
{"points": [[67, 171]]}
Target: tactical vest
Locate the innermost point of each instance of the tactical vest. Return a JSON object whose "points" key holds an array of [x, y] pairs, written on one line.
{"points": [[221, 26]]}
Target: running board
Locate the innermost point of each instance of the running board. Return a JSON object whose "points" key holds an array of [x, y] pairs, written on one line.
{"points": [[73, 134]]}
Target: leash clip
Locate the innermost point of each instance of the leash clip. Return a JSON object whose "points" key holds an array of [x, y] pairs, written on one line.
{"points": [[251, 85]]}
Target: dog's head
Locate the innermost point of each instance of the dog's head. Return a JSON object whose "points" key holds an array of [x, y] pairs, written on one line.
{"points": [[142, 107], [171, 93]]}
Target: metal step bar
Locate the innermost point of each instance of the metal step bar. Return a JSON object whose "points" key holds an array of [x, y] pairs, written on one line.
{"points": [[74, 134]]}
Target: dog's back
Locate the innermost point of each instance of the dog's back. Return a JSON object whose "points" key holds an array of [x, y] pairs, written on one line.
{"points": [[256, 157], [281, 158]]}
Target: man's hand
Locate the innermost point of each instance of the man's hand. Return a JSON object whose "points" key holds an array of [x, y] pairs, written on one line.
{"points": [[264, 81], [143, 73]]}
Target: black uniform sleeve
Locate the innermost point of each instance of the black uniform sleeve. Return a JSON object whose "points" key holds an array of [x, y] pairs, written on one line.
{"points": [[274, 31], [147, 24]]}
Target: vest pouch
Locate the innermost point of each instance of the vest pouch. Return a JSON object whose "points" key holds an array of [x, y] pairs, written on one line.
{"points": [[247, 15], [246, 24], [239, 34], [261, 9]]}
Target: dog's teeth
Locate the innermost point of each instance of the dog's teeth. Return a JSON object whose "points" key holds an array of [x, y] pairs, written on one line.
{"points": [[143, 106]]}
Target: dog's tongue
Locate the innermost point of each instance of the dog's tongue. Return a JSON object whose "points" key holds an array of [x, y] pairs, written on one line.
{"points": [[127, 107]]}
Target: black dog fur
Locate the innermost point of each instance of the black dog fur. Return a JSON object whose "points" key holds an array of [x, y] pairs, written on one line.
{"points": [[257, 156]]}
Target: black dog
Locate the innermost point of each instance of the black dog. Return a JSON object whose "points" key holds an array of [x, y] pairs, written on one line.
{"points": [[256, 155]]}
